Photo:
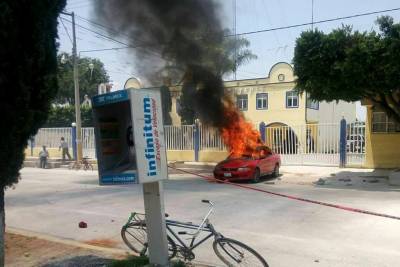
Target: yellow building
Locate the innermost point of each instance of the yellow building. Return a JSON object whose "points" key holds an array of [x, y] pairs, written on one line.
{"points": [[382, 137], [272, 100]]}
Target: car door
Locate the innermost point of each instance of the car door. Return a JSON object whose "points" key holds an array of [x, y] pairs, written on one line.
{"points": [[267, 161]]}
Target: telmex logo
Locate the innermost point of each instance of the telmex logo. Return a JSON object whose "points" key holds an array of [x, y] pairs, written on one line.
{"points": [[149, 139]]}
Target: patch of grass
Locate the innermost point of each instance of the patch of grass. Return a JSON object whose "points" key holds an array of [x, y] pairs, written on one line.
{"points": [[139, 262], [130, 262], [178, 264]]}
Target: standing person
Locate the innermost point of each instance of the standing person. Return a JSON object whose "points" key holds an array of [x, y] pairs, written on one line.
{"points": [[64, 147], [43, 155]]}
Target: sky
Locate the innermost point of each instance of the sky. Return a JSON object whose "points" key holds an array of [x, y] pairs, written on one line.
{"points": [[251, 15]]}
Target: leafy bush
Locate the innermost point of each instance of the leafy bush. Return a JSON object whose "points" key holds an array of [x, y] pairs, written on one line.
{"points": [[63, 116]]}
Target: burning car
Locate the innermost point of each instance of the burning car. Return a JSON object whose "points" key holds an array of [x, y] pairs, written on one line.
{"points": [[249, 166]]}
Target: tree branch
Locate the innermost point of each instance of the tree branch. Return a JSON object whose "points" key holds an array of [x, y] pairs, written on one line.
{"points": [[393, 103], [391, 111]]}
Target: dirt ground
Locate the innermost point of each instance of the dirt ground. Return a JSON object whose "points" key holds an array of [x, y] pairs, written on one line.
{"points": [[31, 251]]}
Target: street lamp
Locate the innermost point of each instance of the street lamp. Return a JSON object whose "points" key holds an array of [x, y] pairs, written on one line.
{"points": [[63, 59], [91, 67], [76, 86]]}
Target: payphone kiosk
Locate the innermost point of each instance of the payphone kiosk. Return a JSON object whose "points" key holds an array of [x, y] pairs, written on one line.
{"points": [[129, 136], [130, 148]]}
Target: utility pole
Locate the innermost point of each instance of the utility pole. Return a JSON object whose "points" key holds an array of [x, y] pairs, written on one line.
{"points": [[234, 31], [76, 87], [312, 15]]}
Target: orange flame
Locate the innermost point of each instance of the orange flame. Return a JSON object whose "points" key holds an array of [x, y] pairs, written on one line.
{"points": [[238, 134]]}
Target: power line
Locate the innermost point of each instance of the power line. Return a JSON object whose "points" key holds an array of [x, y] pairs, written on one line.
{"points": [[79, 4], [98, 33], [276, 28], [117, 41], [65, 28], [126, 46], [315, 22], [103, 27], [107, 49]]}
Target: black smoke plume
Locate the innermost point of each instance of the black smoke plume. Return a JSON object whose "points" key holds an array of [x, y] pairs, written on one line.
{"points": [[182, 35]]}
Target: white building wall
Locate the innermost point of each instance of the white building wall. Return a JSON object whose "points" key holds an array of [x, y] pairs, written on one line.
{"points": [[332, 112]]}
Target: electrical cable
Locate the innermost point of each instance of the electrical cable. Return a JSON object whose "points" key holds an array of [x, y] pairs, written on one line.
{"points": [[65, 28], [115, 40], [315, 22]]}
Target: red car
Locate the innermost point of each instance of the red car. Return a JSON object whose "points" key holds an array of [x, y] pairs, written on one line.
{"points": [[249, 167]]}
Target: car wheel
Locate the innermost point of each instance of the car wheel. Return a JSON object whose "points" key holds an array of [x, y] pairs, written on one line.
{"points": [[256, 176], [275, 174]]}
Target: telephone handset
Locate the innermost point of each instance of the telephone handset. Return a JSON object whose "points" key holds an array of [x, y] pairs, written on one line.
{"points": [[129, 137]]}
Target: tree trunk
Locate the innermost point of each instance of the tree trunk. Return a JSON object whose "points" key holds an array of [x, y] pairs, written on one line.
{"points": [[2, 227], [389, 104]]}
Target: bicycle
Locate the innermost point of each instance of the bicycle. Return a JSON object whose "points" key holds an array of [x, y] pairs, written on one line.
{"points": [[229, 251], [84, 164]]}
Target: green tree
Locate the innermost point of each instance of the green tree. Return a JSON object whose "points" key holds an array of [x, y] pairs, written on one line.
{"points": [[28, 78], [222, 60], [166, 104], [64, 116], [89, 79], [350, 65], [186, 102]]}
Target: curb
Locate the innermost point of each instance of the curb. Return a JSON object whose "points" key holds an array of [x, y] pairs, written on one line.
{"points": [[200, 163], [69, 242]]}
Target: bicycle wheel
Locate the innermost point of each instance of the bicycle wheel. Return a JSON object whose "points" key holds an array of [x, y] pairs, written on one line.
{"points": [[135, 237], [73, 166], [235, 253]]}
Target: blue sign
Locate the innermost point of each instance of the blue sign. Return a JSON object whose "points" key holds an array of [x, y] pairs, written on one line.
{"points": [[120, 178], [114, 97]]}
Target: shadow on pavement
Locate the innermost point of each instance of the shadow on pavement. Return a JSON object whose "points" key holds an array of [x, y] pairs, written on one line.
{"points": [[377, 180], [80, 261]]}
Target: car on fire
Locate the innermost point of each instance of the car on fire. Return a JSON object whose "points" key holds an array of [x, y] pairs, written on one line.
{"points": [[251, 166]]}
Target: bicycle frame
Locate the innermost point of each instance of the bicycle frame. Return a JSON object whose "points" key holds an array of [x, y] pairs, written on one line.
{"points": [[199, 228], [204, 226]]}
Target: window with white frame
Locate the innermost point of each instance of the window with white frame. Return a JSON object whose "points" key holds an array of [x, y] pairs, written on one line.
{"points": [[292, 99], [241, 102], [381, 123], [312, 104], [262, 101]]}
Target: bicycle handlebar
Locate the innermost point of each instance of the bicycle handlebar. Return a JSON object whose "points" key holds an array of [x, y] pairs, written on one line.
{"points": [[208, 201]]}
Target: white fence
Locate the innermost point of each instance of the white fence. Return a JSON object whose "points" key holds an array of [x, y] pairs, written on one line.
{"points": [[50, 137], [210, 139], [88, 142], [311, 144], [179, 137]]}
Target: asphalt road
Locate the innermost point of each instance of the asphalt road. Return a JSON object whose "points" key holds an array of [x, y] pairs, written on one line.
{"points": [[284, 231]]}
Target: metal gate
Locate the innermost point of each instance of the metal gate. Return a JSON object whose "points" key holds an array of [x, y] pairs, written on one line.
{"points": [[355, 144], [308, 144], [317, 144]]}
